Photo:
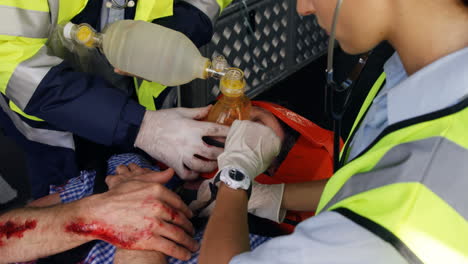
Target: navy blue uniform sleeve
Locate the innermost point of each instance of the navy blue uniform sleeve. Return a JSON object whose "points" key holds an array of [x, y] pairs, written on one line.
{"points": [[190, 21], [88, 106]]}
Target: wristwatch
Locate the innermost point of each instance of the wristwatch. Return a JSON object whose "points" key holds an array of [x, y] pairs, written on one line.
{"points": [[235, 178]]}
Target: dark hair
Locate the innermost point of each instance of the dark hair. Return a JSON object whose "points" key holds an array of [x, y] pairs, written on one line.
{"points": [[465, 2]]}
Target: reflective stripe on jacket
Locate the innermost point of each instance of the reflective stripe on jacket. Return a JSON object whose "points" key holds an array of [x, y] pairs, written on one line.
{"points": [[59, 100], [147, 91], [26, 34], [23, 34], [408, 186]]}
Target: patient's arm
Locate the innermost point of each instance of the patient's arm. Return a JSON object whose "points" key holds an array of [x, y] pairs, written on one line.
{"points": [[302, 196], [124, 256], [46, 201], [30, 233]]}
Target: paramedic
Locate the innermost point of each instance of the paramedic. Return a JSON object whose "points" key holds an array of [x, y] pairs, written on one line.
{"points": [[399, 196], [48, 100]]}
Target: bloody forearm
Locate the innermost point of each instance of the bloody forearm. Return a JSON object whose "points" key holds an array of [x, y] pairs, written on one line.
{"points": [[29, 233]]}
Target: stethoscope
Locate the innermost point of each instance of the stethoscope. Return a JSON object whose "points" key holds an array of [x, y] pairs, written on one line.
{"points": [[332, 88], [114, 4]]}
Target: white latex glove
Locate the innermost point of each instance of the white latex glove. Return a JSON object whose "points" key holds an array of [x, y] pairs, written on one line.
{"points": [[249, 146], [174, 136], [264, 202]]}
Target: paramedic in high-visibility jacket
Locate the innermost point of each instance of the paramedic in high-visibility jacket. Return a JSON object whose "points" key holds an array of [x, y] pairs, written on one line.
{"points": [[46, 100], [400, 195]]}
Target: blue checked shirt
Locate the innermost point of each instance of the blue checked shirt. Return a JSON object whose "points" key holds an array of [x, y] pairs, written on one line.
{"points": [[82, 186]]}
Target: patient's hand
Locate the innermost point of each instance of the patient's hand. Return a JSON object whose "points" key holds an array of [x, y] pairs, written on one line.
{"points": [[135, 172], [139, 215], [45, 201], [124, 256]]}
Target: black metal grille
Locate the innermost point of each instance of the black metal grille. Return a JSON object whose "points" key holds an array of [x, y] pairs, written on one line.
{"points": [[264, 38]]}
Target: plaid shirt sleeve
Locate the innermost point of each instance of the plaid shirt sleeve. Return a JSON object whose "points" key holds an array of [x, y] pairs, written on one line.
{"points": [[76, 188], [82, 186], [255, 241]]}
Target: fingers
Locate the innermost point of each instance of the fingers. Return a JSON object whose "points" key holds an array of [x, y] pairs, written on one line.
{"points": [[209, 152], [113, 180], [137, 169], [173, 216], [135, 172], [132, 169], [186, 173], [195, 113], [122, 169], [148, 175], [156, 176], [199, 165], [172, 199], [203, 198], [170, 248], [197, 204], [207, 211], [214, 130], [176, 234]]}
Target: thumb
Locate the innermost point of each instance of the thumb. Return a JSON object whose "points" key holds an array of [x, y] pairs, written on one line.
{"points": [[158, 176], [195, 113], [207, 211], [203, 196]]}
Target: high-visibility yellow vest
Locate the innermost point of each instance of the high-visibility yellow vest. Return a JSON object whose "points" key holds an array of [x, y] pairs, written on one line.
{"points": [[409, 186], [146, 90], [22, 44]]}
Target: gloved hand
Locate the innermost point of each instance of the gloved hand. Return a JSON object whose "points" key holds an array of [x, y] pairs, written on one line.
{"points": [[174, 136], [264, 202], [249, 146]]}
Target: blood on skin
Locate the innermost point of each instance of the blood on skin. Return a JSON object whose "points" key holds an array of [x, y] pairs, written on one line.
{"points": [[12, 229], [150, 201], [107, 233], [171, 212]]}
